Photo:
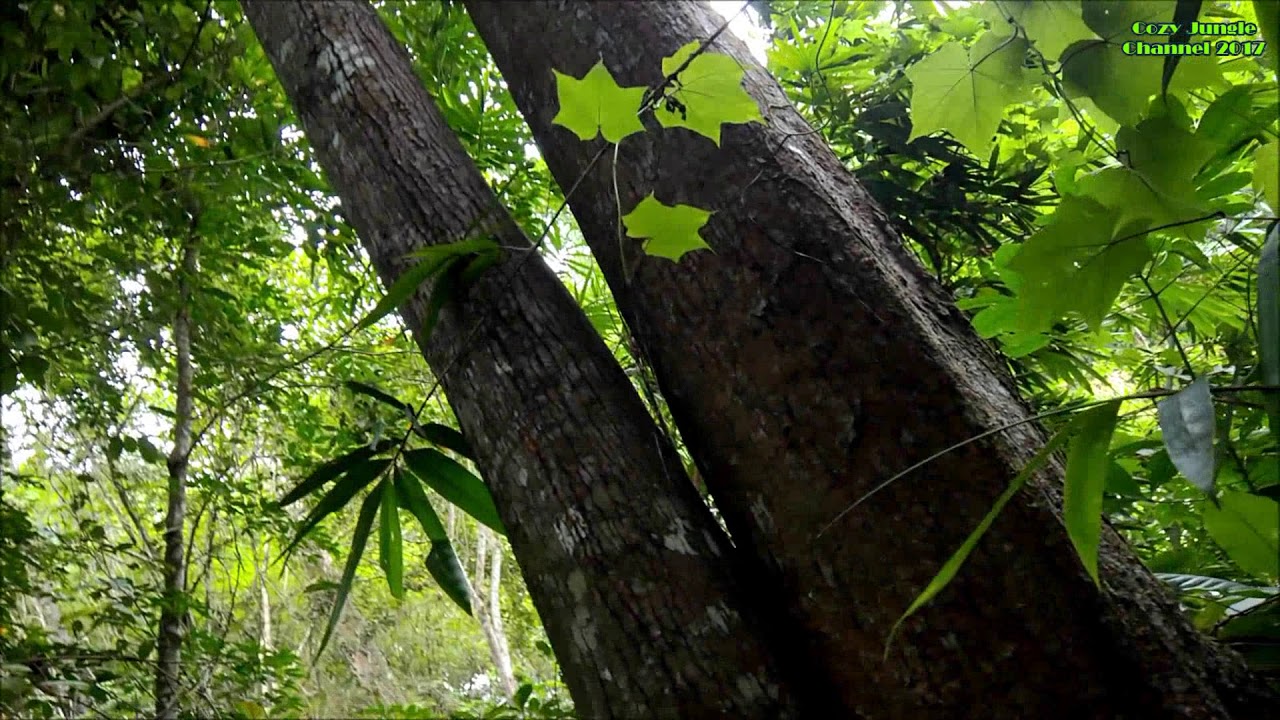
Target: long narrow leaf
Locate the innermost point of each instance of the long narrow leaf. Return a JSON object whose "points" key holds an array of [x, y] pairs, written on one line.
{"points": [[456, 249], [952, 566], [445, 437], [441, 293], [390, 549], [442, 563], [359, 538], [476, 267], [379, 395], [325, 473], [456, 484], [339, 495], [1087, 465], [435, 259], [414, 499], [401, 289]]}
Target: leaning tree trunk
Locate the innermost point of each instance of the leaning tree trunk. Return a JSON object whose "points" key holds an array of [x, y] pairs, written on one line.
{"points": [[625, 564], [807, 359]]}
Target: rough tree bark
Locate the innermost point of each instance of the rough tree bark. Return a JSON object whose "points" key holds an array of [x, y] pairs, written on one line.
{"points": [[807, 359], [625, 564], [172, 626]]}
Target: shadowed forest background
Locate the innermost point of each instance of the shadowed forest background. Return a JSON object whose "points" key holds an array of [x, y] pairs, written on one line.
{"points": [[341, 377]]}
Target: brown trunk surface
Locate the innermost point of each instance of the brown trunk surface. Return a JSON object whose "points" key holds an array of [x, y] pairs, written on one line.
{"points": [[809, 358], [624, 562]]}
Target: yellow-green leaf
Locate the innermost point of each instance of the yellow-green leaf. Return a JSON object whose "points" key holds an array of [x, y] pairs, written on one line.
{"points": [[672, 230], [709, 92], [596, 105], [965, 92], [1247, 527]]}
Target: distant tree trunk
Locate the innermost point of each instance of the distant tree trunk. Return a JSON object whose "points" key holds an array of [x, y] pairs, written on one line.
{"points": [[809, 358], [488, 610], [633, 579], [502, 648], [265, 642], [173, 608]]}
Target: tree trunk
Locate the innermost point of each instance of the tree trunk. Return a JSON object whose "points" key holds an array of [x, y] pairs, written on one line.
{"points": [[809, 358], [500, 647], [630, 573], [173, 605], [487, 577]]}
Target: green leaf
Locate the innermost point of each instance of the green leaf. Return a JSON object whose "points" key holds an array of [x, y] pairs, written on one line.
{"points": [[672, 230], [522, 695], [442, 563], [953, 564], [115, 446], [390, 548], [1141, 204], [1186, 422], [1248, 528], [710, 89], [1117, 84], [455, 484], [8, 377], [476, 266], [320, 586], [1170, 173], [596, 105], [33, 367], [359, 538], [358, 478], [414, 499], [1050, 25], [445, 437], [325, 473], [379, 395], [1120, 85], [435, 259], [441, 293], [150, 452], [965, 92], [404, 286], [1266, 171], [1080, 262], [1269, 323], [1087, 469]]}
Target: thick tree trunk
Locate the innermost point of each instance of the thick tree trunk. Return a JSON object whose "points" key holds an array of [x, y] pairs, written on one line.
{"points": [[625, 564], [173, 612], [807, 359]]}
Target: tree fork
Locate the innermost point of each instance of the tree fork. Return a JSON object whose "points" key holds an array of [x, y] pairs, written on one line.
{"points": [[632, 577]]}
